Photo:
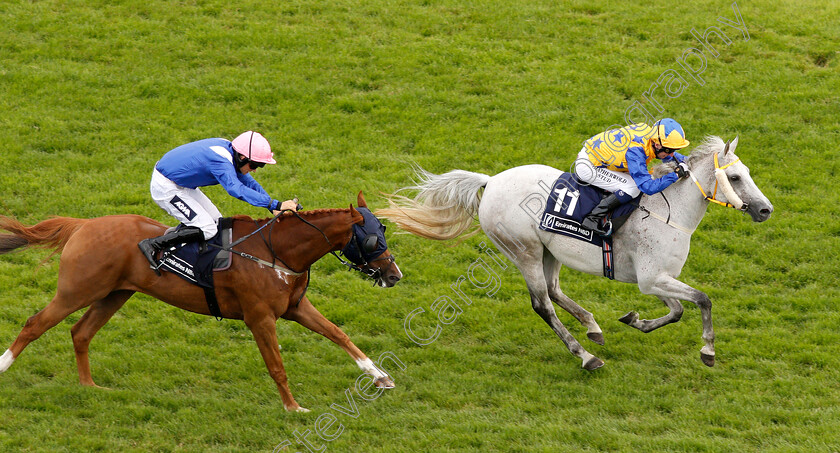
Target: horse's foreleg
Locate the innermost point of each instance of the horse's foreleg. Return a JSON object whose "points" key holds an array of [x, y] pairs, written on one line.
{"points": [[551, 270], [671, 289], [263, 328], [83, 331], [308, 316], [647, 325]]}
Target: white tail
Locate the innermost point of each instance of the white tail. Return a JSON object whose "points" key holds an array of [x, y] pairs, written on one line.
{"points": [[444, 207]]}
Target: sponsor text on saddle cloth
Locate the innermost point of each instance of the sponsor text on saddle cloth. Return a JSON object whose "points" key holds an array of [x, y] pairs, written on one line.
{"points": [[195, 262], [568, 203]]}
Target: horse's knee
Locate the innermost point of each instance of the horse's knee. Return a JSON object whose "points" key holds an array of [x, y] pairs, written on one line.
{"points": [[703, 301]]}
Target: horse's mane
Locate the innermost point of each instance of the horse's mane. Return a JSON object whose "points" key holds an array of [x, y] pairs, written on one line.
{"points": [[304, 214], [711, 144]]}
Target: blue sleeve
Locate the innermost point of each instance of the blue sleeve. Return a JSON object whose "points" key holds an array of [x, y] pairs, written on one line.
{"points": [[680, 158], [252, 183], [637, 164], [226, 174]]}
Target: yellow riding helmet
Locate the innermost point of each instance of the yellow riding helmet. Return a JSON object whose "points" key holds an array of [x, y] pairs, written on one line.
{"points": [[669, 134]]}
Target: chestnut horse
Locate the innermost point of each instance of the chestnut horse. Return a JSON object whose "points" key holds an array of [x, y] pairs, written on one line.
{"points": [[101, 267]]}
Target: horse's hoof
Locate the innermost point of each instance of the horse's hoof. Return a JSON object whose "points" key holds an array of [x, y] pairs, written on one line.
{"points": [[298, 409], [629, 318], [384, 382], [596, 337], [593, 364], [708, 359]]}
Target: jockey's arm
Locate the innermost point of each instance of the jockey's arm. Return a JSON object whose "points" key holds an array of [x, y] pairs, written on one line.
{"points": [[226, 175], [637, 165]]}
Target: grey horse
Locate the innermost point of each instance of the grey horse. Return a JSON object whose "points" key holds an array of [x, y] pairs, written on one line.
{"points": [[649, 250]]}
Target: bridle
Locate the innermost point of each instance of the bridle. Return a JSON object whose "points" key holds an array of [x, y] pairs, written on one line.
{"points": [[720, 179], [364, 268]]}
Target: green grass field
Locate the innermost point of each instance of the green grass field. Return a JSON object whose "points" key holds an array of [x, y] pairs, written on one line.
{"points": [[351, 94]]}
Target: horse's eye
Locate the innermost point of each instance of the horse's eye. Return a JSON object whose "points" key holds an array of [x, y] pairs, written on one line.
{"points": [[734, 178]]}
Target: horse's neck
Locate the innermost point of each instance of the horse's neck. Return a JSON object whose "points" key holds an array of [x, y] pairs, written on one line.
{"points": [[685, 203], [304, 243]]}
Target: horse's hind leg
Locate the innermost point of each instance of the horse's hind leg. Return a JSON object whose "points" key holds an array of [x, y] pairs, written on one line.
{"points": [[541, 303], [58, 309], [83, 331], [551, 269], [308, 316]]}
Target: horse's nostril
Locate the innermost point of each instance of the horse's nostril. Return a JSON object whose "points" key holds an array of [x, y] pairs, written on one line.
{"points": [[765, 211]]}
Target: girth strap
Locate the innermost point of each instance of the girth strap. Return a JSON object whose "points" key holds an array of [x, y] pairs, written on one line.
{"points": [[609, 269], [212, 303]]}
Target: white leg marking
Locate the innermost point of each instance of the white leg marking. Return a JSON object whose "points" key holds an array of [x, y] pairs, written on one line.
{"points": [[368, 367], [6, 360], [585, 356]]}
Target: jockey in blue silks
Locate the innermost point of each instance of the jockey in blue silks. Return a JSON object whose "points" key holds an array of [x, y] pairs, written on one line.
{"points": [[180, 172], [617, 161]]}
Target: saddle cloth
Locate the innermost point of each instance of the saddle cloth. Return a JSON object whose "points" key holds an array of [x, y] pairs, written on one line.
{"points": [[195, 262], [569, 202]]}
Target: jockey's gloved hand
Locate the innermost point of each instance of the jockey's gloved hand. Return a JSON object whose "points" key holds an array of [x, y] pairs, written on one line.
{"points": [[681, 170], [289, 205]]}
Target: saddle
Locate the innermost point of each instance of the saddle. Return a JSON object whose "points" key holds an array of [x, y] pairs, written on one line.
{"points": [[567, 205], [569, 202], [195, 262]]}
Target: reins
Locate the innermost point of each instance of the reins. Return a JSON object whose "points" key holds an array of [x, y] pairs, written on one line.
{"points": [[272, 264], [365, 268], [666, 221]]}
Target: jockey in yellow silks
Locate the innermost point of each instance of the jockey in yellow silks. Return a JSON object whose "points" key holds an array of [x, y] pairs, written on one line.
{"points": [[617, 161]]}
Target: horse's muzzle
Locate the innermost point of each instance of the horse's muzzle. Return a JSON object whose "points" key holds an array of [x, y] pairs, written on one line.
{"points": [[759, 211]]}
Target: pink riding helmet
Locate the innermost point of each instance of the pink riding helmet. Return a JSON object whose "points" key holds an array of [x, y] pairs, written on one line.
{"points": [[254, 146]]}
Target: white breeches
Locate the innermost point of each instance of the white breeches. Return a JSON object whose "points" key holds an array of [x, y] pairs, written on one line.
{"points": [[608, 180], [189, 206]]}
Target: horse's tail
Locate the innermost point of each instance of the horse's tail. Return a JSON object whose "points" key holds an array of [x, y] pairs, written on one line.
{"points": [[444, 207], [52, 233]]}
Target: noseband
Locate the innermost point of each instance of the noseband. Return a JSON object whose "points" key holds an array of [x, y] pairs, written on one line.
{"points": [[726, 187]]}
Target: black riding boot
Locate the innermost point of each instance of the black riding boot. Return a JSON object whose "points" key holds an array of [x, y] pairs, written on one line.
{"points": [[150, 247], [596, 218]]}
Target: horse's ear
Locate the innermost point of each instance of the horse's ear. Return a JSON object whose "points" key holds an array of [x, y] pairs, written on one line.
{"points": [[733, 144], [360, 200], [725, 150], [356, 216]]}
